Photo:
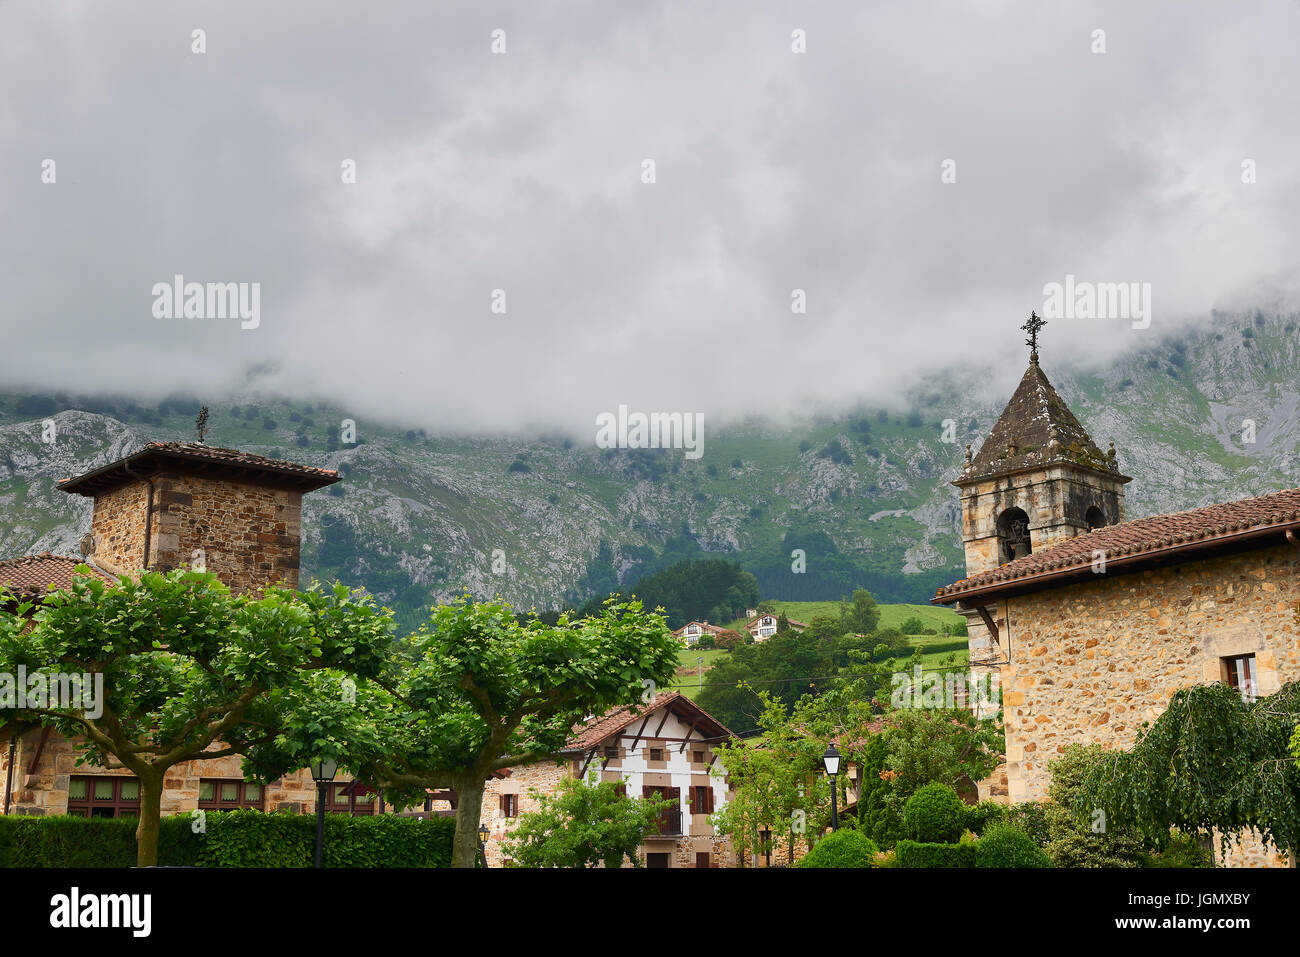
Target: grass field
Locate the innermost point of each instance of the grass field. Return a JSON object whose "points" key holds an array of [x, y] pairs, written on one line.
{"points": [[937, 651], [891, 616]]}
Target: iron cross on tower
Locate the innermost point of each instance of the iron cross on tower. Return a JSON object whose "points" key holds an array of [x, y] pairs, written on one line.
{"points": [[1032, 326]]}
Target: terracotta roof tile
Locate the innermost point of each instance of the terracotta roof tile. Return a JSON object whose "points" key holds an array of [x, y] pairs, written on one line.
{"points": [[31, 576], [1177, 533], [155, 456], [596, 730]]}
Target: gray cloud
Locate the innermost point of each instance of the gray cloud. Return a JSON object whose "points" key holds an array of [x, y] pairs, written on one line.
{"points": [[775, 171]]}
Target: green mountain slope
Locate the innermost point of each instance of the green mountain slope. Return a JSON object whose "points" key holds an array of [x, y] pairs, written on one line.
{"points": [[546, 520]]}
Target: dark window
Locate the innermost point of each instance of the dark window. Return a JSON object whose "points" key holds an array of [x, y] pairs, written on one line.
{"points": [[226, 794], [509, 804], [1095, 518], [670, 821], [701, 799], [697, 757], [611, 752], [657, 860], [1239, 673], [104, 796], [656, 754], [701, 858], [351, 798], [1013, 535]]}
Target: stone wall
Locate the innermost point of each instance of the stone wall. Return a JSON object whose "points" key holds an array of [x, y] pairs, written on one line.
{"points": [[1091, 662], [118, 525], [247, 535], [43, 790]]}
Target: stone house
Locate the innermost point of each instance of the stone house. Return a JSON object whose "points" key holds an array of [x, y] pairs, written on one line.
{"points": [[169, 504], [1089, 623], [665, 747]]}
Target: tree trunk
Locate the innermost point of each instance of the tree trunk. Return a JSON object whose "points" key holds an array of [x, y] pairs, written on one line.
{"points": [[146, 834], [464, 849]]}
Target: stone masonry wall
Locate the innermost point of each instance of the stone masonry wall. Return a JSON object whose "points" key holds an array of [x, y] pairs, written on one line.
{"points": [[1092, 661], [118, 526], [247, 535]]}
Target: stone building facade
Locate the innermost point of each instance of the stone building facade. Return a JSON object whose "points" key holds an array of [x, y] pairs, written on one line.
{"points": [[1091, 624], [234, 514]]}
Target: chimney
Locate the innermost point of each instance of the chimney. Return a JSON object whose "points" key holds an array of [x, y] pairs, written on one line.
{"points": [[232, 513]]}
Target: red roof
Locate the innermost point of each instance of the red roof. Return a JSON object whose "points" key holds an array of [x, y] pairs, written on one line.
{"points": [[596, 730], [33, 575], [194, 457], [1174, 537]]}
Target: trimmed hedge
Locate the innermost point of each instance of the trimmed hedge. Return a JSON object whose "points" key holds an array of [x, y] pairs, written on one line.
{"points": [[1004, 845], [232, 839], [916, 854], [846, 848], [934, 815]]}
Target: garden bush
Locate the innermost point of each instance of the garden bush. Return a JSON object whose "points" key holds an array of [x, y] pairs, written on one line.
{"points": [[845, 848], [934, 815], [919, 854], [982, 815], [231, 839], [1004, 845]]}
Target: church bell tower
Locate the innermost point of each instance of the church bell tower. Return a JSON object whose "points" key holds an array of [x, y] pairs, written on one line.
{"points": [[1038, 479]]}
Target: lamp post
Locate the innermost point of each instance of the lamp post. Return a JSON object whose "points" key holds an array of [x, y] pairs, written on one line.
{"points": [[322, 772], [482, 843], [831, 760]]}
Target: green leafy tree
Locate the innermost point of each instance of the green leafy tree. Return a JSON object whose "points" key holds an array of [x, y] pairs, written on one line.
{"points": [[474, 691], [1210, 761], [190, 672], [584, 824], [948, 745], [861, 614], [779, 786]]}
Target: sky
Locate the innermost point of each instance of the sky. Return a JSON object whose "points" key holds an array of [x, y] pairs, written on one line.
{"points": [[920, 171]]}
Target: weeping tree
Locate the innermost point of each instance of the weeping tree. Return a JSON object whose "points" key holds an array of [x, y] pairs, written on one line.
{"points": [[475, 691], [1211, 761], [178, 669]]}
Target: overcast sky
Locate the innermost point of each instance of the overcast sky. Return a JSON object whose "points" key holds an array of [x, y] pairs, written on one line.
{"points": [[522, 171]]}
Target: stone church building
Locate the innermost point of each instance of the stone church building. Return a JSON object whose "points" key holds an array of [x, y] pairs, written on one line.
{"points": [[1089, 623]]}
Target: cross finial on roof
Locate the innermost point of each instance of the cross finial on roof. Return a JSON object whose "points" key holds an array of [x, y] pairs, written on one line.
{"points": [[1032, 326], [201, 423]]}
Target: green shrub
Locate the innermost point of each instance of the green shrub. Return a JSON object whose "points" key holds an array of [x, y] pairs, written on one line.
{"points": [[844, 848], [1033, 818], [980, 816], [934, 815], [1183, 850], [1004, 845], [916, 854], [66, 842], [231, 839]]}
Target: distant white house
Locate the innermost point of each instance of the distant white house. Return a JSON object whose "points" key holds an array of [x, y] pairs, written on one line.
{"points": [[763, 627], [693, 631]]}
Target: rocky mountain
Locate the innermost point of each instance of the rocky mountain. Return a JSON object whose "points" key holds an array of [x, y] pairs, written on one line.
{"points": [[813, 509]]}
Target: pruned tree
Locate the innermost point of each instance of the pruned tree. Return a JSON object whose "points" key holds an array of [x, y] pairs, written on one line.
{"points": [[189, 671], [475, 691]]}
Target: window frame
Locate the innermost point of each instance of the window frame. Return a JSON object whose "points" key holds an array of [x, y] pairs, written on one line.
{"points": [[117, 804]]}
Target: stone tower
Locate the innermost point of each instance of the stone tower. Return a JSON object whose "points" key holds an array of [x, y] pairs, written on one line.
{"points": [[232, 513], [1037, 480]]}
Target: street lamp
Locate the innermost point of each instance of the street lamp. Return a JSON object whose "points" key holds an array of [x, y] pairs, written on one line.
{"points": [[482, 843], [322, 772], [831, 760]]}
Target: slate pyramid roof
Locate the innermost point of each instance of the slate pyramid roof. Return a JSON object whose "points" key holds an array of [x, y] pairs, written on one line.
{"points": [[1036, 430]]}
